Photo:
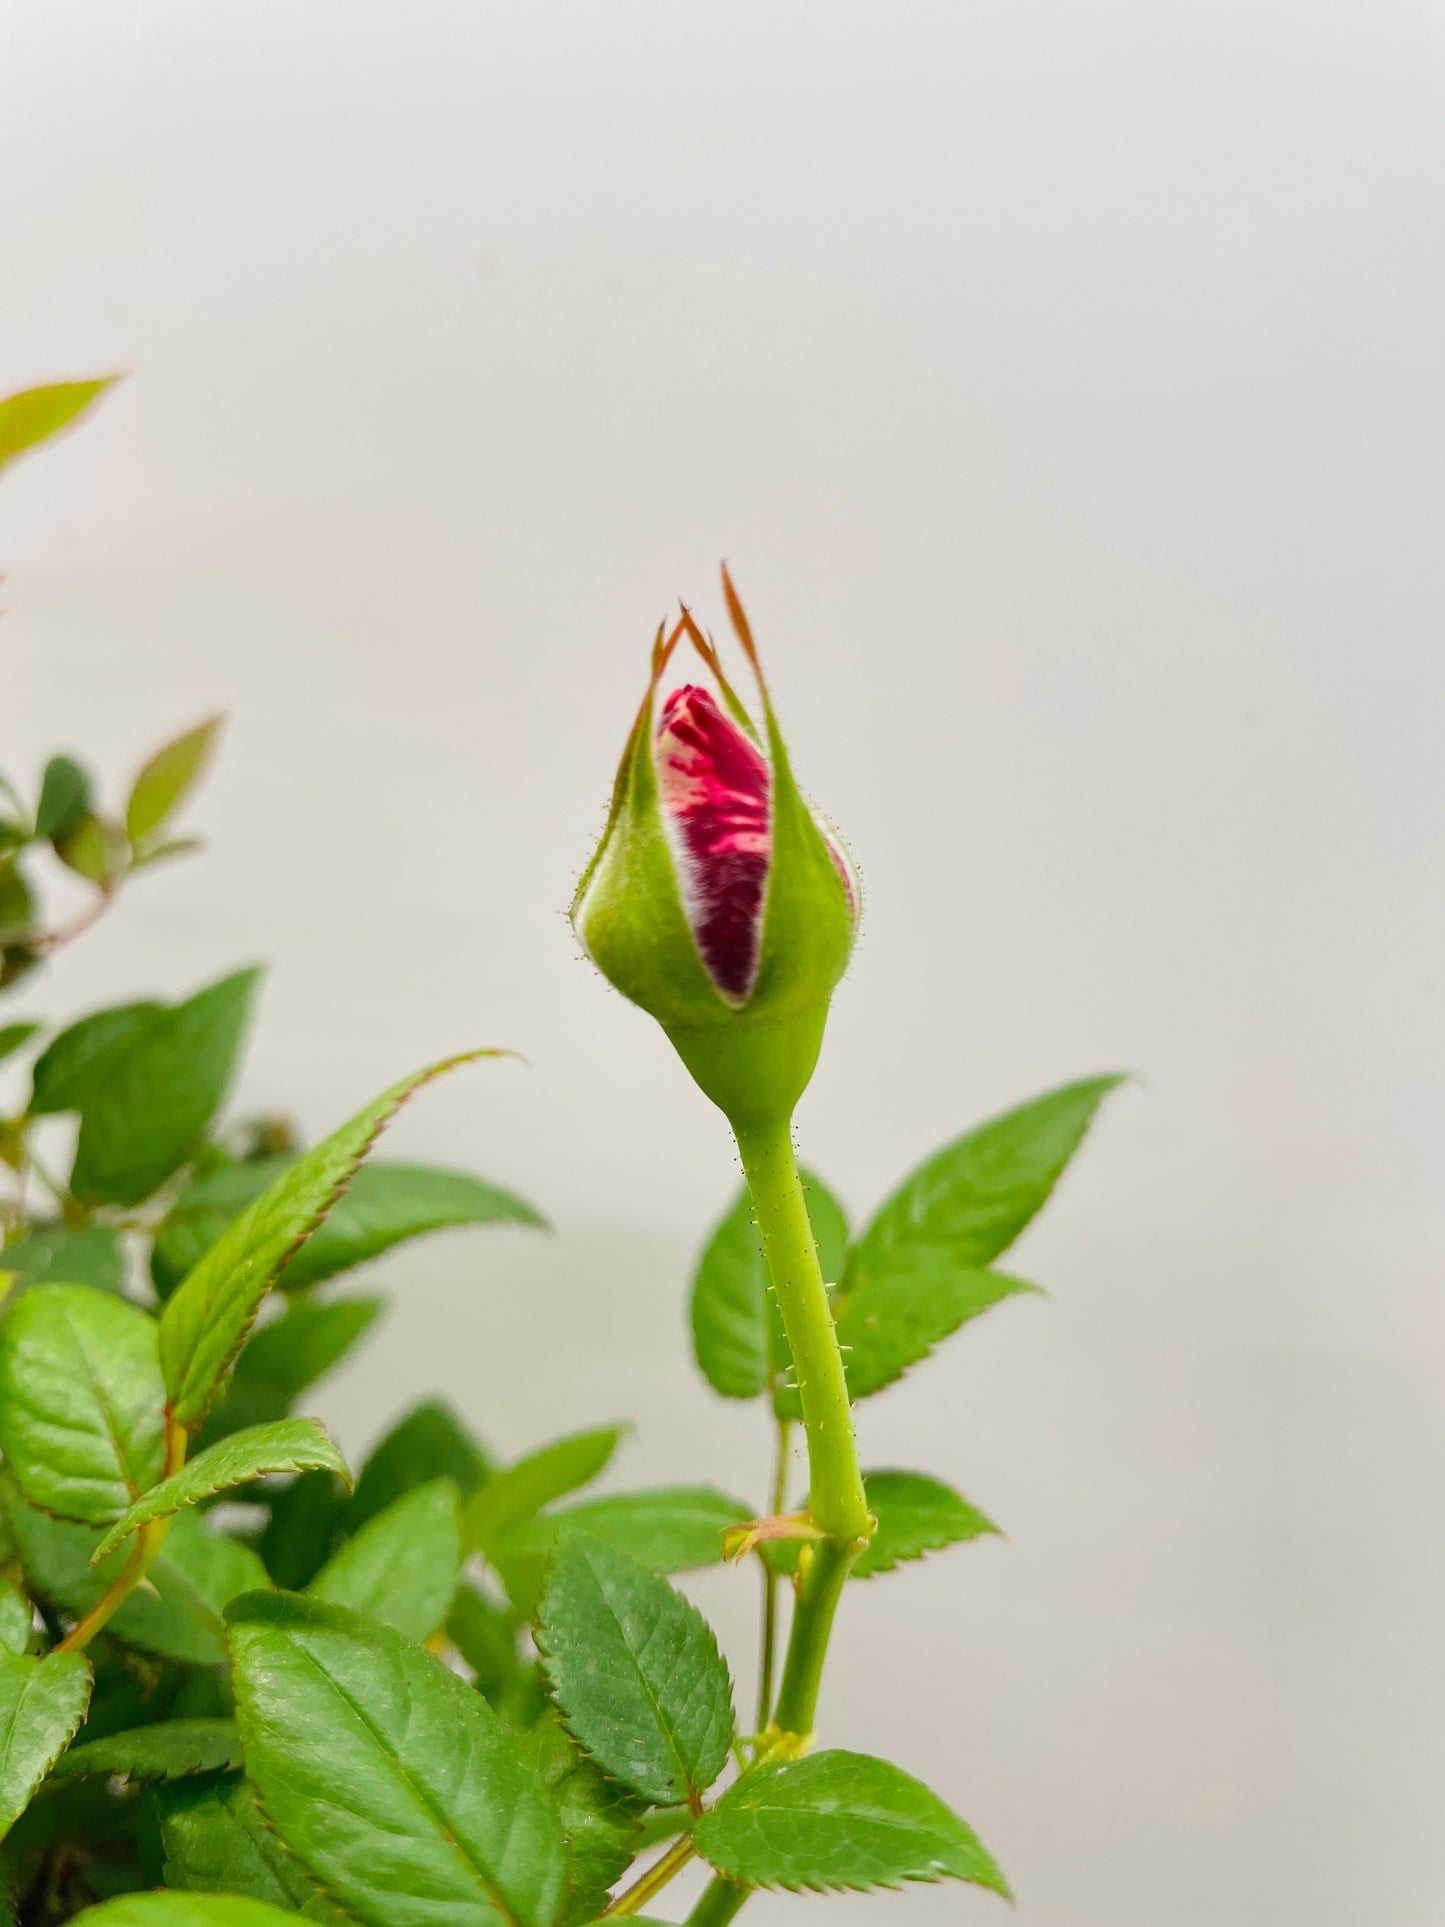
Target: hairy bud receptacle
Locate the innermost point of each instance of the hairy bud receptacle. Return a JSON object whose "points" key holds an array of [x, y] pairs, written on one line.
{"points": [[716, 900]]}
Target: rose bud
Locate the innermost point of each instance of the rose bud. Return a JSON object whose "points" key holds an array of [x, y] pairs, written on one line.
{"points": [[716, 900]]}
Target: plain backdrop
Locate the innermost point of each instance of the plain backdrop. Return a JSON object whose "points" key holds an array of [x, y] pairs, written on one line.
{"points": [[1063, 380]]}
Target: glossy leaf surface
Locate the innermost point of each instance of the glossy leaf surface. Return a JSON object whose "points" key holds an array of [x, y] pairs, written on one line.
{"points": [[82, 1406], [290, 1445], [840, 1820], [169, 1750], [42, 1702], [443, 1817], [206, 1320]]}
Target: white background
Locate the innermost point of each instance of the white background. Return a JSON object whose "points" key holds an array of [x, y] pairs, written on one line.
{"points": [[1063, 379]]}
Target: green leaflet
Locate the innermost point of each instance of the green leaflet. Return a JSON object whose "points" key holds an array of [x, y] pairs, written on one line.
{"points": [[899, 1319], [518, 1491], [35, 414], [145, 1116], [402, 1568], [51, 1253], [736, 1333], [42, 1702], [635, 1671], [169, 1750], [443, 1817], [386, 1204], [840, 1820], [915, 1515], [216, 1842], [600, 1821], [675, 1528], [290, 1445], [167, 779], [183, 1910], [65, 793], [428, 1442], [206, 1320], [919, 1270], [285, 1357], [82, 1419], [16, 1624]]}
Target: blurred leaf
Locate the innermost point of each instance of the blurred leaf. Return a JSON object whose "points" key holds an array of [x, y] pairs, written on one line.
{"points": [[839, 1820], [54, 1254], [308, 1521], [485, 1637], [675, 1528], [168, 778], [737, 1340], [159, 1094], [75, 1065], [285, 1357], [35, 414], [165, 852], [17, 909], [95, 849], [518, 1491], [429, 1442], [207, 1319], [16, 1625], [402, 1568], [290, 1445], [65, 793], [183, 1910], [42, 1702], [440, 1806], [14, 1038], [387, 1203], [82, 1406], [635, 1671], [168, 1750]]}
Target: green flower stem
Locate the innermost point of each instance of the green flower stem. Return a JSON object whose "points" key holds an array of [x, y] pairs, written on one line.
{"points": [[770, 1582], [721, 1902], [819, 1590], [836, 1497]]}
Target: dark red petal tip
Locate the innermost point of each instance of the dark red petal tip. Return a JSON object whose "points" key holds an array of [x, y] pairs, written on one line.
{"points": [[714, 785]]}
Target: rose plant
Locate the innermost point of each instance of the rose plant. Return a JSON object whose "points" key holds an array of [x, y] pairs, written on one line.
{"points": [[238, 1686]]}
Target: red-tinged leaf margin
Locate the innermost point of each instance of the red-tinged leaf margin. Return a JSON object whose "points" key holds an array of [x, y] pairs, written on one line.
{"points": [[219, 1299]]}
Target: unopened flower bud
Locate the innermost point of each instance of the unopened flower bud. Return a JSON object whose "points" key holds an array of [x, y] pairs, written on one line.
{"points": [[716, 900]]}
